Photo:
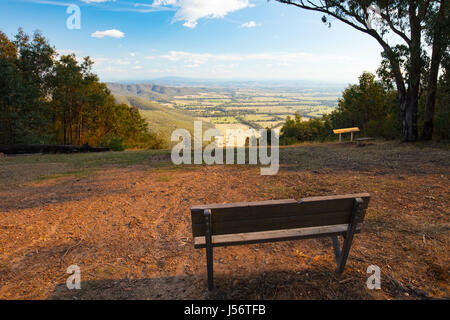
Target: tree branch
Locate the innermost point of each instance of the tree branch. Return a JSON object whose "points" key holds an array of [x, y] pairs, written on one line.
{"points": [[323, 8], [386, 17]]}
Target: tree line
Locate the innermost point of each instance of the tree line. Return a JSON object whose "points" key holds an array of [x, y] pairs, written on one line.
{"points": [[47, 98], [372, 106]]}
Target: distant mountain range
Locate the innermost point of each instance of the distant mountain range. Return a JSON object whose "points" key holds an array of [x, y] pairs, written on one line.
{"points": [[151, 91], [233, 84]]}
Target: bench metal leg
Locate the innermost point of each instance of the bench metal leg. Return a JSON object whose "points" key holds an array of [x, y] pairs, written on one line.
{"points": [[209, 249], [341, 256], [337, 248]]}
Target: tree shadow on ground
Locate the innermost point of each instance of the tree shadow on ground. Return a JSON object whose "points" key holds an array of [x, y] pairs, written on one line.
{"points": [[320, 283]]}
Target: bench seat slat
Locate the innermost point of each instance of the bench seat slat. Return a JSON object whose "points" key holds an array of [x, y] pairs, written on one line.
{"points": [[279, 223], [272, 236], [346, 130], [242, 204]]}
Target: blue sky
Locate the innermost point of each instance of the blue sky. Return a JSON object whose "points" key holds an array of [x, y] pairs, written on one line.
{"points": [[218, 39]]}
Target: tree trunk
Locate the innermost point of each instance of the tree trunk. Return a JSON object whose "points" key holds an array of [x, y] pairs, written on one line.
{"points": [[64, 125], [408, 107], [439, 44], [408, 100], [70, 121], [427, 132]]}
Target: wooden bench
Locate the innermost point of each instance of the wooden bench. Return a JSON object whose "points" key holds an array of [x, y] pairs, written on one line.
{"points": [[279, 220], [346, 130], [361, 140]]}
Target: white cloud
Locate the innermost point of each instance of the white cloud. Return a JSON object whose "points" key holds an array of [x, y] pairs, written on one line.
{"points": [[113, 33], [191, 11], [164, 2], [121, 62], [273, 65], [190, 24], [250, 24], [63, 52], [278, 57], [96, 1]]}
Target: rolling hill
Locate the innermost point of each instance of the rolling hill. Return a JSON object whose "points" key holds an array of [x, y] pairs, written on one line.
{"points": [[151, 92], [162, 119]]}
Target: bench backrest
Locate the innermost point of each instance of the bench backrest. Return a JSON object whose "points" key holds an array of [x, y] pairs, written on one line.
{"points": [[259, 216]]}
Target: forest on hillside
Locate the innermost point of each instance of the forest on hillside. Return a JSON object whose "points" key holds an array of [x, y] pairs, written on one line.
{"points": [[51, 99]]}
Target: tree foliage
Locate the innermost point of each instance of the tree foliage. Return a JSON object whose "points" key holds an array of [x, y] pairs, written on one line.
{"points": [[369, 105], [49, 99], [296, 130]]}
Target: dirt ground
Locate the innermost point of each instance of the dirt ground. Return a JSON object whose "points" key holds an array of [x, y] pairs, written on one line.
{"points": [[128, 228]]}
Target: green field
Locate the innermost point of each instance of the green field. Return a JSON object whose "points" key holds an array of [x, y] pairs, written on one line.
{"points": [[169, 108], [256, 108]]}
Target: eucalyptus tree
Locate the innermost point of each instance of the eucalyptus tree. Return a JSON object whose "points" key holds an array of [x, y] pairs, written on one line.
{"points": [[405, 30]]}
